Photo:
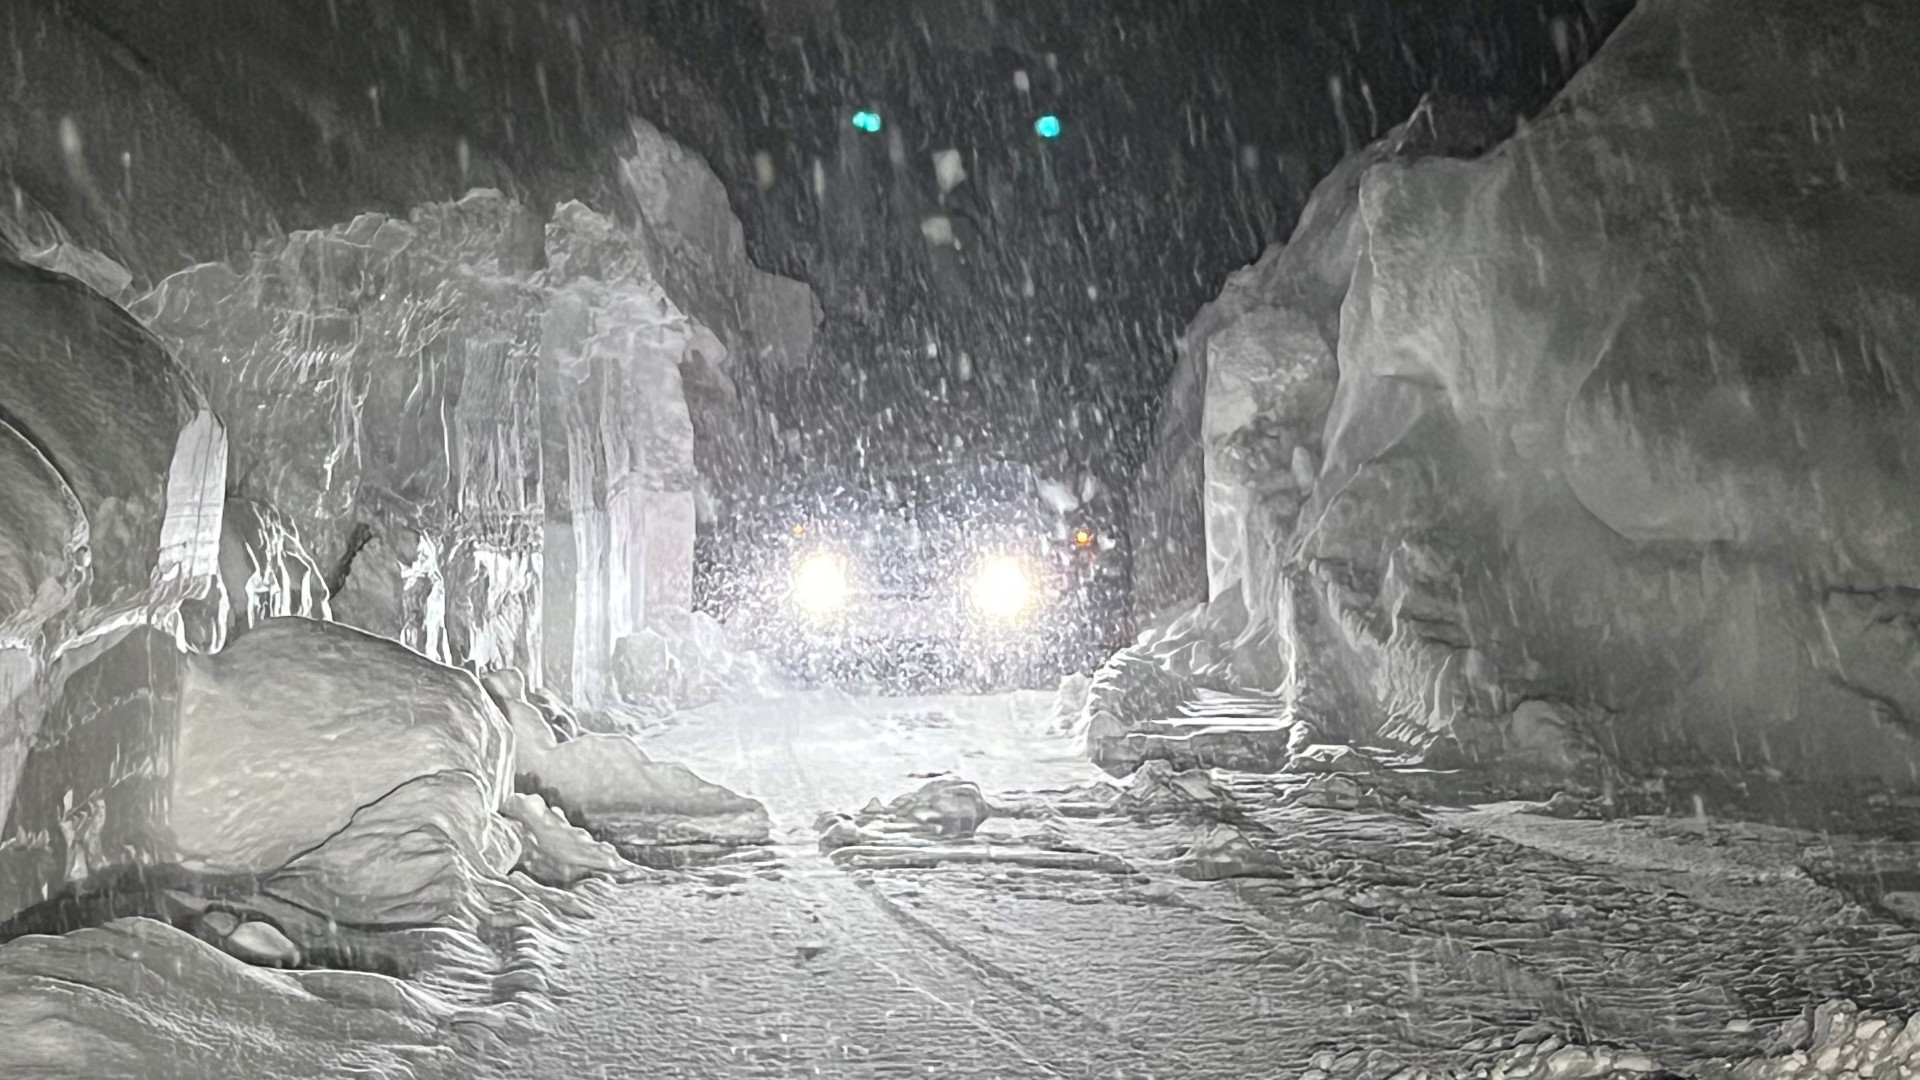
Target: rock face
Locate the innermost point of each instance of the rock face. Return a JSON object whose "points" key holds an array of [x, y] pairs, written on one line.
{"points": [[1240, 433], [267, 571], [608, 787], [479, 423], [127, 433], [379, 380], [1620, 462], [761, 321], [111, 468], [618, 439]]}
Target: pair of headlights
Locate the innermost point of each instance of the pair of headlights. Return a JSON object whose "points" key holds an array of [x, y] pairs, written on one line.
{"points": [[1000, 587]]}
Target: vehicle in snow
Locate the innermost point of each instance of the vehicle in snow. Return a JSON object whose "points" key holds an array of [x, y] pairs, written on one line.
{"points": [[997, 580]]}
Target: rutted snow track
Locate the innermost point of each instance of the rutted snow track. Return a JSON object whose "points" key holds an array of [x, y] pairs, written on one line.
{"points": [[1382, 942]]}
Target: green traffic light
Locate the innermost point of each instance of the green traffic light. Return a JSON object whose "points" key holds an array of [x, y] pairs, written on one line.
{"points": [[1047, 127], [868, 122]]}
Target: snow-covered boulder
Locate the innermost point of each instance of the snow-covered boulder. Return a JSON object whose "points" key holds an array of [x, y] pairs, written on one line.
{"points": [[343, 772], [945, 807], [1067, 712], [1131, 711], [346, 771], [413, 857], [1159, 786], [1223, 852], [261, 944], [138, 997]]}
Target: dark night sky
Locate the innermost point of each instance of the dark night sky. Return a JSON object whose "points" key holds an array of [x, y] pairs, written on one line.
{"points": [[1193, 132]]}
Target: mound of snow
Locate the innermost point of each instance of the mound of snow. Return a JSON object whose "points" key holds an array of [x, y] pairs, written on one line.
{"points": [[354, 775], [686, 661], [554, 852], [608, 784]]}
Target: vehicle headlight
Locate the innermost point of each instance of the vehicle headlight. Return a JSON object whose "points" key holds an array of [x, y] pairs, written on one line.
{"points": [[820, 583], [1001, 587]]}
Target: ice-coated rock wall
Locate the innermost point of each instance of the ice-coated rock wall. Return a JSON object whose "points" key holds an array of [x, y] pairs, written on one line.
{"points": [[378, 379], [477, 422], [757, 322], [1603, 445], [474, 429], [113, 466], [1238, 440]]}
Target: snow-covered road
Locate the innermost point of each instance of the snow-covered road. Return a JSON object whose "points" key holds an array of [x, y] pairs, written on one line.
{"points": [[1447, 940], [809, 970]]}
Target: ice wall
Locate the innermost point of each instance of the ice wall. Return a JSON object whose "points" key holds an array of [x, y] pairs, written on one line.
{"points": [[1618, 463], [467, 429]]}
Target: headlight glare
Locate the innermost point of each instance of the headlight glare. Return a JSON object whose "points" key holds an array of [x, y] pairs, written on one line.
{"points": [[1000, 588], [820, 584]]}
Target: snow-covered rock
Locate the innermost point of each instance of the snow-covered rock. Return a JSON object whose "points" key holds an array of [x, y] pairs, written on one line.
{"points": [[1329, 791], [341, 771], [415, 857], [1222, 852], [1621, 455], [1067, 713], [1330, 758], [1131, 705], [945, 807], [610, 787], [263, 944], [552, 850], [347, 772], [1160, 786]]}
